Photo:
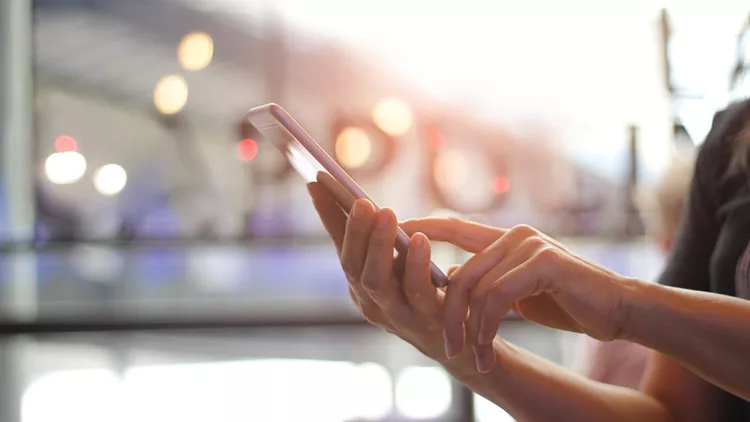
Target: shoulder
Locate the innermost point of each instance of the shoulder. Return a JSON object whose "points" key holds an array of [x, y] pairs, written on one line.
{"points": [[716, 152]]}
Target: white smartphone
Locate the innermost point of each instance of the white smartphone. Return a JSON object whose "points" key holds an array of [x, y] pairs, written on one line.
{"points": [[315, 165]]}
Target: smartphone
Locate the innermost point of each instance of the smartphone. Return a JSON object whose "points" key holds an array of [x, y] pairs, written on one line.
{"points": [[315, 165]]}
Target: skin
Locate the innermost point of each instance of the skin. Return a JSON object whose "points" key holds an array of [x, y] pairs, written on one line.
{"points": [[621, 362], [703, 339]]}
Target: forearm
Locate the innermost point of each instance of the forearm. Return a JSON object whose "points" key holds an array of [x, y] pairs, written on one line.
{"points": [[707, 333], [533, 389]]}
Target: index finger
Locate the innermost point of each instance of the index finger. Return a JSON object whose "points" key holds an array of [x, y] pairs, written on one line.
{"points": [[333, 218], [467, 235]]}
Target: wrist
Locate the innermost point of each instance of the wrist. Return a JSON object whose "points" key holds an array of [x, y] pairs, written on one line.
{"points": [[638, 303]]}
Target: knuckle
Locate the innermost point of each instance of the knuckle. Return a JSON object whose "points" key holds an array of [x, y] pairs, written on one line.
{"points": [[548, 255], [497, 295], [533, 243], [370, 285], [413, 292], [452, 219], [378, 238], [353, 296], [370, 313], [476, 297], [452, 223], [524, 230], [464, 284], [348, 272]]}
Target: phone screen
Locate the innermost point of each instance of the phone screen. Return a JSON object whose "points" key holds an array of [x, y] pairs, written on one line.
{"points": [[299, 158], [315, 165]]}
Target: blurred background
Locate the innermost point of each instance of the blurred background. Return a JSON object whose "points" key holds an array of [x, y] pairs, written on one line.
{"points": [[160, 261]]}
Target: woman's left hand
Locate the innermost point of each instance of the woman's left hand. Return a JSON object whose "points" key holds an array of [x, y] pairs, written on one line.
{"points": [[523, 269], [408, 306]]}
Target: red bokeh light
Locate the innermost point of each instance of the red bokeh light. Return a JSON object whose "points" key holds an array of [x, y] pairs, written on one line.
{"points": [[436, 140], [247, 149], [65, 143], [501, 185]]}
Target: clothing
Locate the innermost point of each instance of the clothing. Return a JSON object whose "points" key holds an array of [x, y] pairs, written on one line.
{"points": [[712, 251]]}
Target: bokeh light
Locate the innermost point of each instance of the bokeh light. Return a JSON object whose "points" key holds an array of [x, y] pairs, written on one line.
{"points": [[436, 139], [247, 149], [501, 184], [170, 94], [63, 168], [452, 169], [110, 179], [65, 143], [393, 116], [423, 392], [353, 147], [195, 51]]}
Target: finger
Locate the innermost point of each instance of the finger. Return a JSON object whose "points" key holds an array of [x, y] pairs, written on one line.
{"points": [[421, 295], [467, 235], [334, 220], [455, 308], [371, 312], [452, 269], [482, 262], [478, 298], [526, 280], [463, 282], [485, 357], [377, 276], [354, 251]]}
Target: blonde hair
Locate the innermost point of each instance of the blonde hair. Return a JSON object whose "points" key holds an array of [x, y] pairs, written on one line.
{"points": [[661, 205]]}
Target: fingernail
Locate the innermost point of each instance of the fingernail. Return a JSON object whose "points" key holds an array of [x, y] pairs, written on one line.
{"points": [[482, 365], [451, 351], [485, 359], [419, 241], [383, 219]]}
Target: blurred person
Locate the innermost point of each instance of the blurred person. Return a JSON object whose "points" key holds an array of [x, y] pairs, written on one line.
{"points": [[701, 333], [620, 362]]}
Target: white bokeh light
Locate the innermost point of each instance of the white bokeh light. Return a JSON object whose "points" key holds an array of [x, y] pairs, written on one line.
{"points": [[423, 392], [393, 116], [63, 168], [487, 411], [88, 395], [239, 391], [110, 179], [170, 94], [353, 147], [374, 400], [195, 51]]}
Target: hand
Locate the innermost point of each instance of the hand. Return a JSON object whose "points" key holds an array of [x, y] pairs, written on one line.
{"points": [[410, 308], [525, 270]]}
